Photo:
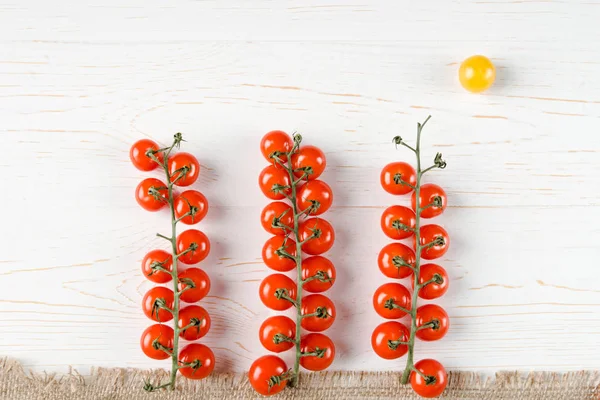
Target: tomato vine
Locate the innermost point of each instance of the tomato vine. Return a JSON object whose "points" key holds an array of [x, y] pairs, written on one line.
{"points": [[293, 175], [391, 340], [195, 361]]}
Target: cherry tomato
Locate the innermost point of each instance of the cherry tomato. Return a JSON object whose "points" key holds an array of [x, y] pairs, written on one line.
{"points": [[436, 380], [274, 182], [274, 286], [392, 258], [389, 295], [397, 222], [154, 335], [321, 267], [477, 73], [157, 258], [280, 213], [139, 158], [314, 195], [323, 238], [317, 343], [200, 282], [394, 177], [176, 164], [433, 290], [437, 317], [428, 194], [195, 314], [276, 142], [274, 330], [275, 261], [323, 309], [153, 299], [385, 335], [191, 200], [200, 360], [263, 375], [310, 160], [429, 234], [151, 194], [196, 242]]}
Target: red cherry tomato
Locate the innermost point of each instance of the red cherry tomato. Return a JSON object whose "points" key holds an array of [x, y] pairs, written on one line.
{"points": [[200, 360], [430, 194], [272, 287], [177, 163], [314, 195], [276, 142], [274, 330], [138, 155], [199, 316], [432, 290], [263, 375], [429, 234], [280, 214], [274, 182], [196, 242], [152, 194], [317, 343], [436, 380], [389, 295], [153, 299], [392, 259], [434, 316], [386, 337], [398, 222], [394, 177], [275, 261], [157, 258], [323, 309], [194, 201], [154, 335], [323, 238], [309, 161], [321, 267], [199, 282]]}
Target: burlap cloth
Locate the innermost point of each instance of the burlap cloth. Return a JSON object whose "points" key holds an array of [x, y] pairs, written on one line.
{"points": [[126, 384]]}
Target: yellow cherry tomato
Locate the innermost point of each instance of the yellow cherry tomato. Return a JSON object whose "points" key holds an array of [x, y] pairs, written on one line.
{"points": [[477, 73]]}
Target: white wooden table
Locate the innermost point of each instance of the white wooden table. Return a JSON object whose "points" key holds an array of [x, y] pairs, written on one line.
{"points": [[80, 81]]}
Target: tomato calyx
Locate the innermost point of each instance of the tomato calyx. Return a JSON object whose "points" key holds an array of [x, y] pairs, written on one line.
{"points": [[160, 304], [429, 379], [158, 266], [317, 352], [400, 262], [283, 294], [320, 276], [156, 345], [281, 338], [194, 322], [391, 304], [438, 241], [399, 181], [276, 380], [437, 279], [320, 312], [433, 324], [394, 344], [399, 226], [154, 191]]}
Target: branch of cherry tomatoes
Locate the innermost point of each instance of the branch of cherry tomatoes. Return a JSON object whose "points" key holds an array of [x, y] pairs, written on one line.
{"points": [[293, 175], [161, 304], [392, 339]]}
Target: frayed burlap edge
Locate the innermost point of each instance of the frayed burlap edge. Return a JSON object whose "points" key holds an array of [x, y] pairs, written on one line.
{"points": [[126, 384]]}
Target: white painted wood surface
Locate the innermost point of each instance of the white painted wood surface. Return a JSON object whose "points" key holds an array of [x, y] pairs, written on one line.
{"points": [[82, 80]]}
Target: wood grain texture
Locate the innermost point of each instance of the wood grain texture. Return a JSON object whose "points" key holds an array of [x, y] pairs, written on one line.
{"points": [[80, 81]]}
